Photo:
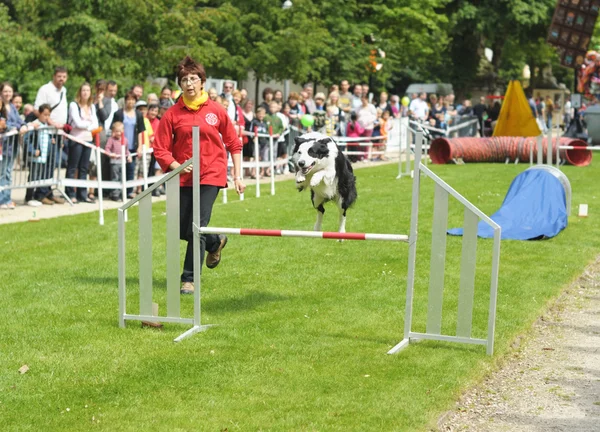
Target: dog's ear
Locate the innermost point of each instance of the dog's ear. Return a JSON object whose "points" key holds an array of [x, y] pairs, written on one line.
{"points": [[319, 149], [298, 141]]}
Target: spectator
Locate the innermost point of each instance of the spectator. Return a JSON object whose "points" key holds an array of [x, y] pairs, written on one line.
{"points": [[147, 137], [549, 111], [39, 145], [163, 107], [449, 103], [282, 152], [437, 112], [278, 97], [9, 120], [480, 110], [366, 116], [213, 94], [385, 125], [334, 88], [259, 125], [395, 106], [152, 116], [83, 119], [54, 94], [356, 97], [111, 93], [267, 95], [114, 148], [228, 95], [13, 119], [384, 104], [295, 109], [466, 109], [308, 99], [276, 124], [138, 91], [17, 102], [244, 93], [28, 113], [303, 97], [353, 130], [365, 91], [334, 114], [152, 99], [345, 104], [319, 102], [568, 112], [166, 95], [248, 150], [419, 107], [133, 122], [238, 118]]}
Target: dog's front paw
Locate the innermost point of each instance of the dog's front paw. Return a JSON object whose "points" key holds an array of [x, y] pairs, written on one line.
{"points": [[315, 180]]}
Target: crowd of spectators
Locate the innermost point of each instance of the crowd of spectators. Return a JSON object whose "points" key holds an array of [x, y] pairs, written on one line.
{"points": [[345, 110]]}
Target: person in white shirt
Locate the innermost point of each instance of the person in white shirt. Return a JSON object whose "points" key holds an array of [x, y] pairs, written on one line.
{"points": [[54, 94], [419, 107], [228, 94]]}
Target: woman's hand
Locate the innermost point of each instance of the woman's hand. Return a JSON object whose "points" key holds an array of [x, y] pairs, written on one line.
{"points": [[240, 187]]}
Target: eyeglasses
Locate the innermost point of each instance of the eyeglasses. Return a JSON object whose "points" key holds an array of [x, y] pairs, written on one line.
{"points": [[189, 81], [228, 87]]}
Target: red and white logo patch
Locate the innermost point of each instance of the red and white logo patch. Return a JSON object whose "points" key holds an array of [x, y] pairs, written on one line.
{"points": [[211, 119]]}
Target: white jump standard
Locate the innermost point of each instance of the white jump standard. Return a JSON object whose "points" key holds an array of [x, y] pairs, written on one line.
{"points": [[466, 289]]}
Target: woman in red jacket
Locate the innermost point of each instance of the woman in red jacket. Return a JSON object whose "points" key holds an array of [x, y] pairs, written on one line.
{"points": [[173, 146]]}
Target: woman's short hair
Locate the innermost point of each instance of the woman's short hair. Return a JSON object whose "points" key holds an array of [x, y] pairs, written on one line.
{"points": [[131, 95], [189, 66], [266, 91], [294, 95]]}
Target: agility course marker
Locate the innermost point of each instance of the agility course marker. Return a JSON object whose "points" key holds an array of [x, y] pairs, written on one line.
{"points": [[305, 234], [443, 191]]}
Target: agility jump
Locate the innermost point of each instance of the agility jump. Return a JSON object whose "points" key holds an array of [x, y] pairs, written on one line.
{"points": [[466, 291]]}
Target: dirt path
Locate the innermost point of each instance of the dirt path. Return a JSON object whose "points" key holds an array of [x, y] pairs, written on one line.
{"points": [[552, 381]]}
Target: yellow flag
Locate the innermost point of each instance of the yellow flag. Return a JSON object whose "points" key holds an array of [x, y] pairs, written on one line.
{"points": [[516, 118]]}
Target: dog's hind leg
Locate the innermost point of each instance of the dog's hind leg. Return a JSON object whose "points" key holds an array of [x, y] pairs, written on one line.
{"points": [[342, 219]]}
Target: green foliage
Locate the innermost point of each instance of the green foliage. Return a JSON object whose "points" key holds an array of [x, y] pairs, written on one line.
{"points": [[322, 41]]}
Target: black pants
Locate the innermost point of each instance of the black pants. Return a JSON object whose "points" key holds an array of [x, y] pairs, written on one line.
{"points": [[78, 161], [130, 171], [208, 242]]}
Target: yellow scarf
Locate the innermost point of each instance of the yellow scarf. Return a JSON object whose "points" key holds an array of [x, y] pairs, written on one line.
{"points": [[194, 104]]}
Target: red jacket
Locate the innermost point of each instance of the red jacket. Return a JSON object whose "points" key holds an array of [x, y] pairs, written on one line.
{"points": [[173, 141]]}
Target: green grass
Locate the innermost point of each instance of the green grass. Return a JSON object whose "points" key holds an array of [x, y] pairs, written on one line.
{"points": [[304, 324]]}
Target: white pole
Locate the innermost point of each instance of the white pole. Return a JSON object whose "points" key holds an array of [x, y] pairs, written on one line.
{"points": [[256, 160], [549, 147], [99, 179], [123, 178], [145, 171], [540, 151], [225, 194], [272, 160], [242, 163]]}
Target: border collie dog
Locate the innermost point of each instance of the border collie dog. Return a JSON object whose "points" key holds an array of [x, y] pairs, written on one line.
{"points": [[322, 167]]}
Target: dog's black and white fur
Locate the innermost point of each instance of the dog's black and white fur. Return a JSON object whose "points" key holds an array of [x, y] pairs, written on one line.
{"points": [[322, 167]]}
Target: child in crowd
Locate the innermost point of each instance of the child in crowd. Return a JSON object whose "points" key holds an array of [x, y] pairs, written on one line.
{"points": [[353, 130], [332, 121], [259, 125], [113, 149], [282, 144], [39, 144], [384, 127]]}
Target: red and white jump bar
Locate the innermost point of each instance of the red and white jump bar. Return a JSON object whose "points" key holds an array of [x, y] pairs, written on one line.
{"points": [[310, 234]]}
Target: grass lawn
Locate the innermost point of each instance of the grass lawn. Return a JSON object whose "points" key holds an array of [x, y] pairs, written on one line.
{"points": [[304, 325]]}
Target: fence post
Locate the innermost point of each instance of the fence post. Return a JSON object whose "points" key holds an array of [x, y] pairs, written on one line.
{"points": [[99, 178], [271, 158], [256, 161]]}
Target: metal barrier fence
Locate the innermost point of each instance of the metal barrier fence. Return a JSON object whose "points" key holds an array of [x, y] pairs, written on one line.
{"points": [[472, 215], [33, 161]]}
